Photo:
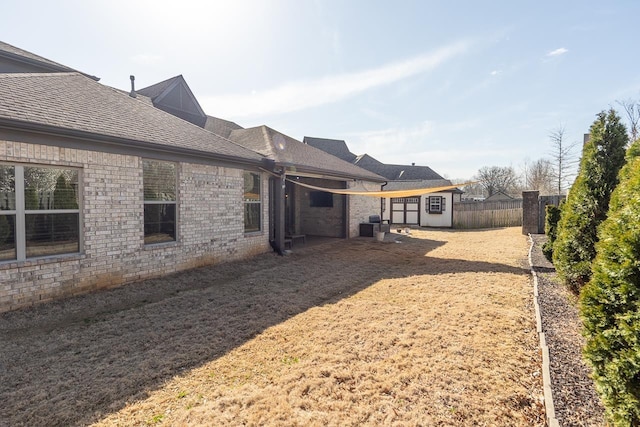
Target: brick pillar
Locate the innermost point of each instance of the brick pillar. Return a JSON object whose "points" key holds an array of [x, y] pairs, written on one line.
{"points": [[530, 212]]}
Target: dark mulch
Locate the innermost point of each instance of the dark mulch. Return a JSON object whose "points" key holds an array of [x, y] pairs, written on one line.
{"points": [[574, 396]]}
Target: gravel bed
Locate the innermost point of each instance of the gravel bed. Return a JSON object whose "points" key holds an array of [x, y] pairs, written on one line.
{"points": [[575, 399]]}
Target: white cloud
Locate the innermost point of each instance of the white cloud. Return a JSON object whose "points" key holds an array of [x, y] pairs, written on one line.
{"points": [[495, 72], [300, 95], [396, 140], [558, 52]]}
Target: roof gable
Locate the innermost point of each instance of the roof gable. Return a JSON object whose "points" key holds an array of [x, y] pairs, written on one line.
{"points": [[175, 97]]}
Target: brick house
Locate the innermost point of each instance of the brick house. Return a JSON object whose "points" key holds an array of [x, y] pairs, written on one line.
{"points": [[100, 187], [426, 210]]}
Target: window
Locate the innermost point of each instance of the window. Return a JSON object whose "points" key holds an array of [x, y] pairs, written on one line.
{"points": [[39, 214], [252, 202], [320, 199], [436, 204], [159, 180]]}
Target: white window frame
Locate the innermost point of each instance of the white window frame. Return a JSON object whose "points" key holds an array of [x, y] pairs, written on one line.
{"points": [[436, 204]]}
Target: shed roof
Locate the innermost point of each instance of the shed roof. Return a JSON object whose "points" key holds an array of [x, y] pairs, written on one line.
{"points": [[64, 102]]}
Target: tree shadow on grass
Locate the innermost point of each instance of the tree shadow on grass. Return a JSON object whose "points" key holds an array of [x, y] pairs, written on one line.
{"points": [[76, 361]]}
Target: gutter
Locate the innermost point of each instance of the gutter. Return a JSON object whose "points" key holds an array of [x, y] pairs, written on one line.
{"points": [[114, 141]]}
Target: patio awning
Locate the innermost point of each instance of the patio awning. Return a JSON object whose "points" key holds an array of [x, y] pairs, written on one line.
{"points": [[389, 193]]}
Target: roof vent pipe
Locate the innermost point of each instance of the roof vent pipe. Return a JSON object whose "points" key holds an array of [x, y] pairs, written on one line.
{"points": [[133, 87]]}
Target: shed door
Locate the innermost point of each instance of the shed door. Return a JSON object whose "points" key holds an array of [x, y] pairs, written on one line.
{"points": [[405, 210]]}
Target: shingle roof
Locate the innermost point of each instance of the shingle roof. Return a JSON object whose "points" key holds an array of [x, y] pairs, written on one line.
{"points": [[338, 148], [21, 55], [397, 172], [409, 185], [221, 127], [335, 147], [288, 151], [71, 101]]}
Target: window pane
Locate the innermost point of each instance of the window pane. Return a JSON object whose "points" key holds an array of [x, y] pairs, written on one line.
{"points": [[7, 237], [251, 187], [50, 188], [159, 223], [251, 202], [52, 234], [251, 217], [159, 180], [7, 188]]}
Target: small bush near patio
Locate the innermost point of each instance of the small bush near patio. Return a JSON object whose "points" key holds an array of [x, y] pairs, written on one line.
{"points": [[610, 303], [552, 217], [588, 200]]}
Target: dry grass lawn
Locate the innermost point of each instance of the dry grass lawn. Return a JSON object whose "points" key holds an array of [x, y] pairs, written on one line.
{"points": [[435, 329]]}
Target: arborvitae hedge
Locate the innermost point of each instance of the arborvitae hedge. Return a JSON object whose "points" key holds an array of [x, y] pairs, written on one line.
{"points": [[610, 302], [552, 216], [588, 200]]}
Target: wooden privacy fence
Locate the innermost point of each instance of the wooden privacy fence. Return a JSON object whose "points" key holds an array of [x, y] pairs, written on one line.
{"points": [[491, 214]]}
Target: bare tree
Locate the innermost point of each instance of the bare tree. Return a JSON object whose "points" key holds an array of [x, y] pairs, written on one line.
{"points": [[540, 176], [632, 109], [497, 179], [472, 190], [563, 158]]}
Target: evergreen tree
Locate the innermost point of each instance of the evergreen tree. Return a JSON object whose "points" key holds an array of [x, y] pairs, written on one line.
{"points": [[588, 201], [610, 302], [552, 217]]}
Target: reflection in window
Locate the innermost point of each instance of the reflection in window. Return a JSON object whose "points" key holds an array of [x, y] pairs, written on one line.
{"points": [[7, 213], [45, 201], [159, 180], [51, 234], [252, 202]]}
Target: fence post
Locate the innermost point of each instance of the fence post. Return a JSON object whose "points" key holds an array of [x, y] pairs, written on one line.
{"points": [[530, 212]]}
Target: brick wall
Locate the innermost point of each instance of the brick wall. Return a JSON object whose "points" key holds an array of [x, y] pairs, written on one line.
{"points": [[210, 226], [360, 207]]}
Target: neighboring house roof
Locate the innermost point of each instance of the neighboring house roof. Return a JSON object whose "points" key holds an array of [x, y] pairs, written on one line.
{"points": [[499, 195], [398, 172], [339, 149], [335, 147], [70, 104], [289, 152], [16, 60], [175, 97]]}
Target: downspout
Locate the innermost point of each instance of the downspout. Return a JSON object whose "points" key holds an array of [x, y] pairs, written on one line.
{"points": [[381, 203]]}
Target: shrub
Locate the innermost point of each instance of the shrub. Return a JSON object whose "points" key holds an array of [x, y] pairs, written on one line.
{"points": [[588, 200], [610, 302], [552, 216]]}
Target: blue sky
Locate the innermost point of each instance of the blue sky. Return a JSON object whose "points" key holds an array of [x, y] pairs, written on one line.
{"points": [[454, 85]]}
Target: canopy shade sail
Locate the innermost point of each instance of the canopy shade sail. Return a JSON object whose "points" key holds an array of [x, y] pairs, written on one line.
{"points": [[389, 193]]}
